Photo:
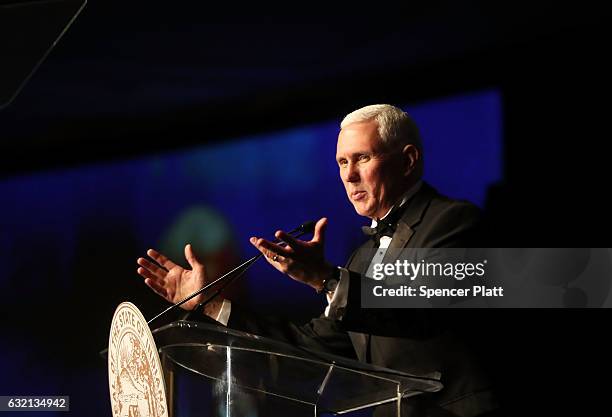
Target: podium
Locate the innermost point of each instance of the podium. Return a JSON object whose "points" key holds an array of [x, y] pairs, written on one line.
{"points": [[211, 370]]}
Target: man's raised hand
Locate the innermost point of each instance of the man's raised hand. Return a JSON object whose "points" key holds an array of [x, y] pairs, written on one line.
{"points": [[172, 281], [302, 260]]}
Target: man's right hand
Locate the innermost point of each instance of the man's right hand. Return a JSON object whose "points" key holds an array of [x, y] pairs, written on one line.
{"points": [[174, 282]]}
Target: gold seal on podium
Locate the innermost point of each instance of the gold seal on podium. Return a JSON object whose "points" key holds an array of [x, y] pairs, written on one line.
{"points": [[135, 375]]}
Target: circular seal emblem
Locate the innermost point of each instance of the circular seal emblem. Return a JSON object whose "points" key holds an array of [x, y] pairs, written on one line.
{"points": [[135, 378]]}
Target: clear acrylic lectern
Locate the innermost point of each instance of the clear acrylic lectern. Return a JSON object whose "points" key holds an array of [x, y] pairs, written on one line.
{"points": [[215, 371]]}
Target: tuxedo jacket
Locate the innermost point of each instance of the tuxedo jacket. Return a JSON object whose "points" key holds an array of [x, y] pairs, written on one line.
{"points": [[417, 341]]}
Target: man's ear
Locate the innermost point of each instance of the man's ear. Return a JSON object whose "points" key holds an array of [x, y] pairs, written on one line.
{"points": [[411, 159]]}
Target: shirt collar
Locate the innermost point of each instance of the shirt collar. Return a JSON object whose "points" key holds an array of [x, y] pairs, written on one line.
{"points": [[412, 191]]}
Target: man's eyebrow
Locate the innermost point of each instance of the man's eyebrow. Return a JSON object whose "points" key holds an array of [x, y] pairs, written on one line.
{"points": [[351, 155]]}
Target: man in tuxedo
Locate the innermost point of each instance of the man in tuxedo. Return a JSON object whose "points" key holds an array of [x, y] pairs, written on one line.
{"points": [[379, 155]]}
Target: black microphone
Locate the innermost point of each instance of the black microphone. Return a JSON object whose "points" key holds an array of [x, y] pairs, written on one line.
{"points": [[304, 228]]}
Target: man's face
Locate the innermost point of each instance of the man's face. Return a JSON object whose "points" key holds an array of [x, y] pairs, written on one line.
{"points": [[371, 175]]}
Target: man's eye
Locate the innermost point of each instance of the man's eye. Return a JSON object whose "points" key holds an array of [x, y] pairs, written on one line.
{"points": [[342, 162], [364, 158]]}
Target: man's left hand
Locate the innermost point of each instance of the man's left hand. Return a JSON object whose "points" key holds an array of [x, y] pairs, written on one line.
{"points": [[303, 261]]}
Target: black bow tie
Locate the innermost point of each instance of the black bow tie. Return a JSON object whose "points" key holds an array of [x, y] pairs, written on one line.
{"points": [[386, 226], [383, 228]]}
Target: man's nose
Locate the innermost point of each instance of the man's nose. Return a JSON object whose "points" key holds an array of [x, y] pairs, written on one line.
{"points": [[352, 173]]}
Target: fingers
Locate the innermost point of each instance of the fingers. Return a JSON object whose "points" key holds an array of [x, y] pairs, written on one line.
{"points": [[156, 287], [319, 232], [159, 273], [277, 259], [145, 273], [161, 259], [155, 283], [288, 239], [290, 250], [153, 274], [269, 249], [191, 257]]}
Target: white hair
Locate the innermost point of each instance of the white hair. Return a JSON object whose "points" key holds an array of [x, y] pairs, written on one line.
{"points": [[395, 127]]}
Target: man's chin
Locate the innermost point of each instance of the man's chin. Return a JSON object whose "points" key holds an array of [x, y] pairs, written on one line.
{"points": [[361, 210]]}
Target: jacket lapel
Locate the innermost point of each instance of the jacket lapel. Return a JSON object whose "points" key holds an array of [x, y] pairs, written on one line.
{"points": [[412, 216]]}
